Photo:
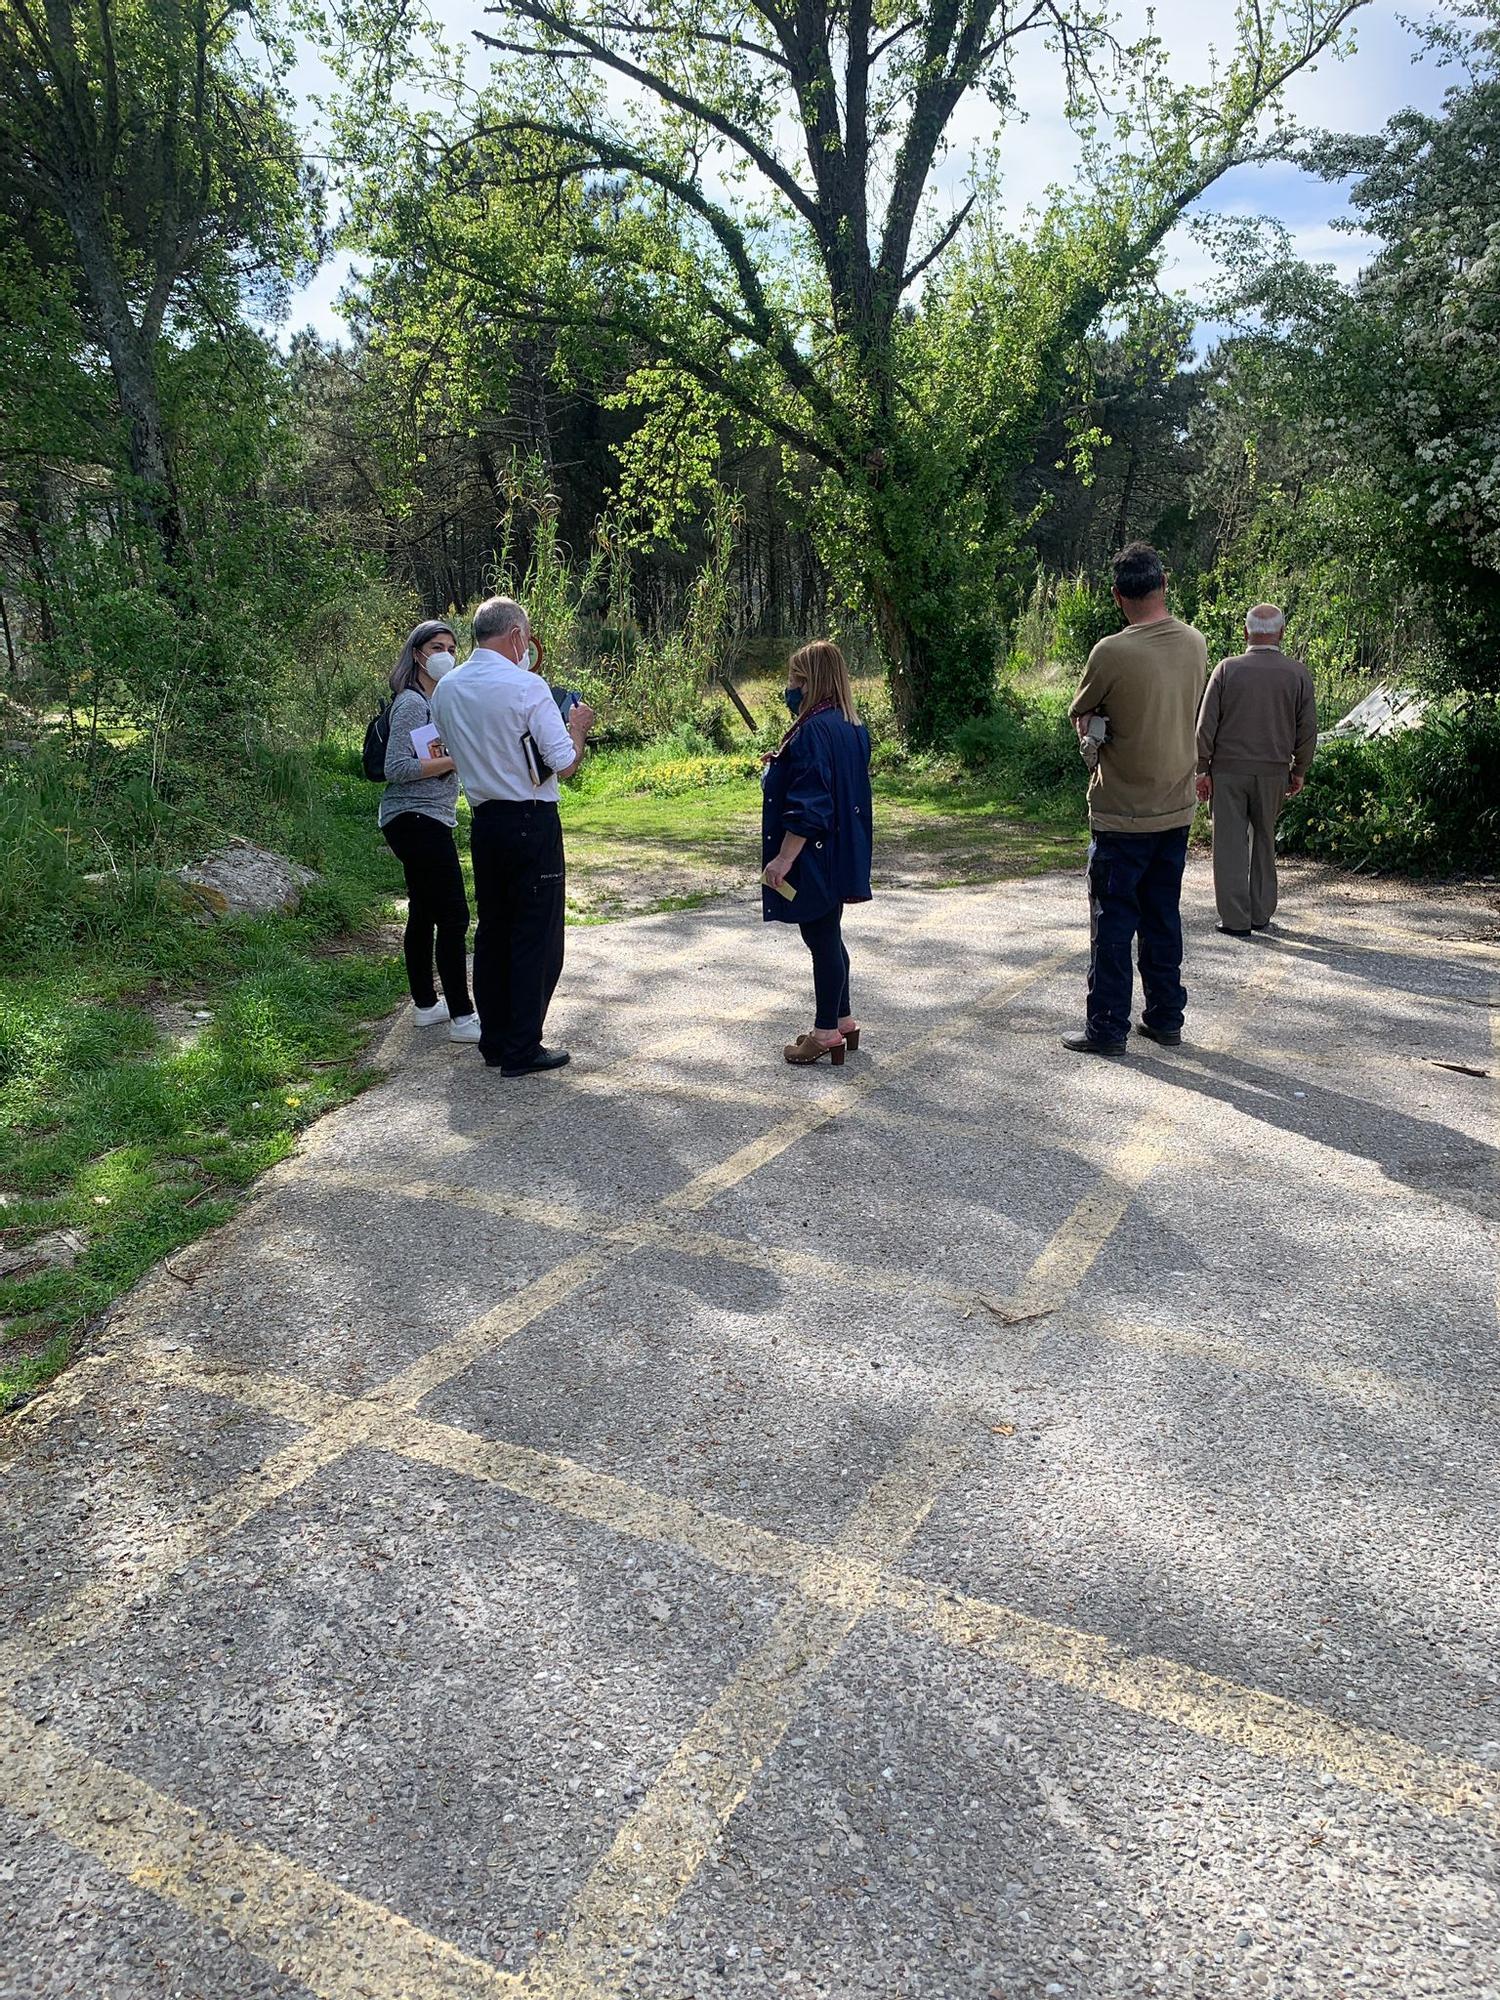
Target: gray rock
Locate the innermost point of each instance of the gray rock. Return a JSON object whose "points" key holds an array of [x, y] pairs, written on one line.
{"points": [[241, 879]]}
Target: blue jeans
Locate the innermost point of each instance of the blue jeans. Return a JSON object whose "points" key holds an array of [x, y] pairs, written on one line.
{"points": [[1135, 889]]}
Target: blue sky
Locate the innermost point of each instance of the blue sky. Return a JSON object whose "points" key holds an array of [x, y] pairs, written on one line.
{"points": [[1356, 95]]}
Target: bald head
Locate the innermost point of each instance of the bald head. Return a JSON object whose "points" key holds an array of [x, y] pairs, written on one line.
{"points": [[1265, 624]]}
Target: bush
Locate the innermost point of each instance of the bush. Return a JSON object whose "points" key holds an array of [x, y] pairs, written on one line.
{"points": [[1083, 614], [1426, 802], [1028, 741]]}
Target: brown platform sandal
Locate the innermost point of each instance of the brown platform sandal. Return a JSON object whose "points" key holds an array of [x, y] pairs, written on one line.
{"points": [[851, 1037], [808, 1049]]}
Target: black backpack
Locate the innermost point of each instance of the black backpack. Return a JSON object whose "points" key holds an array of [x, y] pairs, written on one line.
{"points": [[377, 737]]}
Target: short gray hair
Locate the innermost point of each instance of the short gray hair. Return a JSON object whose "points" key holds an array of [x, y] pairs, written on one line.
{"points": [[497, 618], [1264, 621]]}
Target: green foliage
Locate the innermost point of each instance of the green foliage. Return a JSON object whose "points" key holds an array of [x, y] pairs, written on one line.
{"points": [[1026, 744], [1084, 613], [1424, 802], [1387, 397], [756, 243], [111, 1126]]}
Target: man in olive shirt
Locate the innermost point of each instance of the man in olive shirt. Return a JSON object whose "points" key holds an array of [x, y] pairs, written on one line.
{"points": [[1145, 682], [1257, 731]]}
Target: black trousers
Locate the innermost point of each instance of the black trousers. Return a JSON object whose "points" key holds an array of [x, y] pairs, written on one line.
{"points": [[519, 884], [437, 910], [824, 938], [1135, 894]]}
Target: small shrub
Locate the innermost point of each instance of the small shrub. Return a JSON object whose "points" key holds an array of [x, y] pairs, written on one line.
{"points": [[1426, 802], [1084, 614], [1030, 742]]}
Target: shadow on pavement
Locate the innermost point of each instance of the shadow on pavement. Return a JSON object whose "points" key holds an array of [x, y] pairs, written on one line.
{"points": [[1432, 1158]]}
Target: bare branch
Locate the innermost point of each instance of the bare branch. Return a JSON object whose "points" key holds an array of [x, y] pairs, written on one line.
{"points": [[926, 262], [669, 92]]}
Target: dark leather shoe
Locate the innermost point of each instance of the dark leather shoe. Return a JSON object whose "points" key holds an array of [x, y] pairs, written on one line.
{"points": [[1170, 1038], [1260, 927], [1225, 931], [1085, 1045], [543, 1059]]}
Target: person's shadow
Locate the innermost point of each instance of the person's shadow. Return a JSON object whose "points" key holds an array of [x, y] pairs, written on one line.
{"points": [[1388, 965], [1428, 1156]]}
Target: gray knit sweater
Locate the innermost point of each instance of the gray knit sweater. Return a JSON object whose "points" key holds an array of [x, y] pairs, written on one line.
{"points": [[406, 790]]}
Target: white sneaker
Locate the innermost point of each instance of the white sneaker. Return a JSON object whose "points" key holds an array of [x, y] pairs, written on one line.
{"points": [[428, 1017], [465, 1028]]}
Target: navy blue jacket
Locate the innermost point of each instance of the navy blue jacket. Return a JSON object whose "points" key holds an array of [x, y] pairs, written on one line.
{"points": [[819, 786]]}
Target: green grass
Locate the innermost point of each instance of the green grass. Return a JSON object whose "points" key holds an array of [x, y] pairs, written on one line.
{"points": [[673, 825], [136, 1140]]}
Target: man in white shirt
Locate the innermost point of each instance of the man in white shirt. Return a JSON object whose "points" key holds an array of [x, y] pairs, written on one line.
{"points": [[502, 728]]}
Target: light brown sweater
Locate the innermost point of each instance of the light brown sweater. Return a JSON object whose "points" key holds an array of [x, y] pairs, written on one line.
{"points": [[1258, 714], [1147, 680]]}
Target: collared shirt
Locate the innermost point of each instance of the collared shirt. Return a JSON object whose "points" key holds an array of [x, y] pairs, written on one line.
{"points": [[485, 710]]}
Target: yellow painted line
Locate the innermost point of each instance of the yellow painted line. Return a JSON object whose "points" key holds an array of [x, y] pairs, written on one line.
{"points": [[663, 1844], [1075, 1247], [749, 1159], [654, 1231], [1204, 1705], [490, 1331], [352, 1424], [102, 1602], [855, 1574], [339, 1945], [64, 1395], [1047, 1283]]}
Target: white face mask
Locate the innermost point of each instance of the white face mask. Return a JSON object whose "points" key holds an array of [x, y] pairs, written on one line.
{"points": [[525, 658], [438, 664]]}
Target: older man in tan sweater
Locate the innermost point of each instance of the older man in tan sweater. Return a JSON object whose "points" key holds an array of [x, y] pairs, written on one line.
{"points": [[1257, 731]]}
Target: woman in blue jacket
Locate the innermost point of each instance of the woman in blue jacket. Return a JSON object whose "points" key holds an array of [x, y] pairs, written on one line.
{"points": [[815, 836]]}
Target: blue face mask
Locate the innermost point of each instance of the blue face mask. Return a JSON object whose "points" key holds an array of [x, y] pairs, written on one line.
{"points": [[794, 699]]}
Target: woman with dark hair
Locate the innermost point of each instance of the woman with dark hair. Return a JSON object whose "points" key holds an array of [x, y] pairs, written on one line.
{"points": [[418, 812], [816, 830]]}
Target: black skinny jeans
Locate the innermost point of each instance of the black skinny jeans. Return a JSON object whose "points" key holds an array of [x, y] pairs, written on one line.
{"points": [[437, 911], [824, 938]]}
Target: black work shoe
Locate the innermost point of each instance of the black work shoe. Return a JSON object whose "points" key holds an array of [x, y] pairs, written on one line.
{"points": [[1225, 931], [1085, 1045], [1261, 927], [543, 1059], [1170, 1038]]}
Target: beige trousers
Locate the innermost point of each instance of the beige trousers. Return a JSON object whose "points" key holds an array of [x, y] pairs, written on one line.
{"points": [[1245, 807]]}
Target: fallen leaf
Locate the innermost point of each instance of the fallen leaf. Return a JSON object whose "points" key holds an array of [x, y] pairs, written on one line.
{"points": [[1002, 1430], [1459, 1069]]}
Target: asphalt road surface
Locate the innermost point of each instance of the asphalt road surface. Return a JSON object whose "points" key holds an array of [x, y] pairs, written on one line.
{"points": [[983, 1522]]}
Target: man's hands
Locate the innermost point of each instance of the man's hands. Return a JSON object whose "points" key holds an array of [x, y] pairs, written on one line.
{"points": [[1205, 788], [1294, 784], [580, 722], [1081, 724]]}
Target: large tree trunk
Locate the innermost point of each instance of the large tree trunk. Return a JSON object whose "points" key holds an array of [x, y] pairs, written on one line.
{"points": [[133, 368]]}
